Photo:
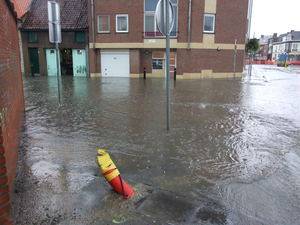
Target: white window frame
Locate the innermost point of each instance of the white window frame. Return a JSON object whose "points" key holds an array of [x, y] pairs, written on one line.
{"points": [[162, 60], [149, 13], [122, 31], [295, 47], [214, 24], [103, 32]]}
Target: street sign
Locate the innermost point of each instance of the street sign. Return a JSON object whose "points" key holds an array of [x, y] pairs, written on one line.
{"points": [[54, 22], [160, 16]]}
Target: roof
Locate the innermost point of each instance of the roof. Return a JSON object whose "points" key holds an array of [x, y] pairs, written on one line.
{"points": [[21, 7], [73, 15], [295, 35], [264, 39]]}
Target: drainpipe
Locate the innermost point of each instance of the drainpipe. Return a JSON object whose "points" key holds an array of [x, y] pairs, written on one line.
{"points": [[250, 7], [93, 22], [189, 24]]}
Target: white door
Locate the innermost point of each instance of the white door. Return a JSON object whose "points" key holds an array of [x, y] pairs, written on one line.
{"points": [[79, 62], [115, 63], [51, 62]]}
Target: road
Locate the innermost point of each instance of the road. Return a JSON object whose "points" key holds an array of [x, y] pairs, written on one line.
{"points": [[232, 155]]}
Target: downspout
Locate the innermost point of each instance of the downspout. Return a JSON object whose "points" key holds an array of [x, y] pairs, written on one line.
{"points": [[93, 22], [189, 24], [250, 7]]}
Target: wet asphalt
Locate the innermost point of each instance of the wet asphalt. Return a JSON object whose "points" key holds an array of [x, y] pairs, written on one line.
{"points": [[232, 155]]}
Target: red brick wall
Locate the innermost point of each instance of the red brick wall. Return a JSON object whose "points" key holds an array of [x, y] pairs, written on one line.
{"points": [[196, 21], [135, 11], [231, 21], [135, 61], [68, 41], [195, 60], [11, 105]]}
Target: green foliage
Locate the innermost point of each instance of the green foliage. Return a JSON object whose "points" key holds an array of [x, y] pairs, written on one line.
{"points": [[252, 46]]}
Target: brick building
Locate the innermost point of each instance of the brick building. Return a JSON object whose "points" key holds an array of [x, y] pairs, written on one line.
{"points": [[11, 104], [40, 55], [124, 39]]}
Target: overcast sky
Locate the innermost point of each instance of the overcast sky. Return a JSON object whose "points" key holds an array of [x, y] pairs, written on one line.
{"points": [[275, 16]]}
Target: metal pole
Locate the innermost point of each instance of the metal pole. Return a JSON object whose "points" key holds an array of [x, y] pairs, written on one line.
{"points": [[167, 63], [189, 24], [250, 66], [234, 58], [58, 72]]}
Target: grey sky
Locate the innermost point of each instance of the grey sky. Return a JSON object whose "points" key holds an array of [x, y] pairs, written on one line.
{"points": [[275, 16]]}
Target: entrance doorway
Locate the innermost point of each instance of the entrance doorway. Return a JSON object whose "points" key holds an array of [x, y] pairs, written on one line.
{"points": [[34, 61], [66, 61]]}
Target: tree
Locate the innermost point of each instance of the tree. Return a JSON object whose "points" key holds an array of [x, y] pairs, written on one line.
{"points": [[252, 46]]}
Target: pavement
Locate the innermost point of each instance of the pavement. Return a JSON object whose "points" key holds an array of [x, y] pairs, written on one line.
{"points": [[232, 155]]}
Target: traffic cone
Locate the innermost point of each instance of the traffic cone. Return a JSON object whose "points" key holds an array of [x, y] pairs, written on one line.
{"points": [[112, 174]]}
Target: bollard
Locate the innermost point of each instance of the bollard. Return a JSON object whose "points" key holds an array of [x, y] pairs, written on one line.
{"points": [[112, 174], [175, 73], [144, 73]]}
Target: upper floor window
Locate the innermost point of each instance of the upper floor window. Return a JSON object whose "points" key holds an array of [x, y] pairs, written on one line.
{"points": [[209, 23], [295, 47], [122, 23], [103, 24], [80, 37], [150, 28], [32, 37]]}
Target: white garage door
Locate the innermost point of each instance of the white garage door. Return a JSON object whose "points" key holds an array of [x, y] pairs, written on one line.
{"points": [[115, 63]]}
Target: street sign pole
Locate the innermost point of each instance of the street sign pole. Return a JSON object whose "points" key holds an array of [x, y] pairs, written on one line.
{"points": [[55, 37], [165, 19], [58, 72], [166, 2], [234, 58]]}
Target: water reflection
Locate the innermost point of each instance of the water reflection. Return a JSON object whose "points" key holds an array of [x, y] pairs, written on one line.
{"points": [[232, 156]]}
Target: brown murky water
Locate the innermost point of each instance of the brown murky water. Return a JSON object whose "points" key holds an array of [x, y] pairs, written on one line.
{"points": [[232, 156]]}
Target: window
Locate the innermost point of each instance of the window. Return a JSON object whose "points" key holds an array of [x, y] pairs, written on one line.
{"points": [[32, 37], [122, 23], [150, 28], [103, 24], [209, 23], [79, 37], [295, 47], [157, 64]]}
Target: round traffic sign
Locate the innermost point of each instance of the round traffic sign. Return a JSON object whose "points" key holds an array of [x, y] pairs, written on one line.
{"points": [[160, 16]]}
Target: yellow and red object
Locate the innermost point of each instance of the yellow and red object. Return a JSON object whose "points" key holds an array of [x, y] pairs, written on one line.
{"points": [[112, 174]]}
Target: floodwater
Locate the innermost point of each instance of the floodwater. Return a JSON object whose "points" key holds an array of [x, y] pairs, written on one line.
{"points": [[232, 155]]}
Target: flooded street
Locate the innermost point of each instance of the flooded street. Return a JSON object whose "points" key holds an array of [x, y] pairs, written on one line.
{"points": [[232, 155]]}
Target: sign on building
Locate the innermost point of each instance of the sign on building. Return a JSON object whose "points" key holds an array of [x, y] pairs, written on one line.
{"points": [[54, 22]]}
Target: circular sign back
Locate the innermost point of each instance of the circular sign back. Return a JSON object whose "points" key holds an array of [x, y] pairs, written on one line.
{"points": [[160, 16]]}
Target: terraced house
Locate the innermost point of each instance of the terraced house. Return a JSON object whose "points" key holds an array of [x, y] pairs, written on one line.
{"points": [[124, 39], [40, 55]]}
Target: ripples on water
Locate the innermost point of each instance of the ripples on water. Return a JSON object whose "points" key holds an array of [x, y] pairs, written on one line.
{"points": [[232, 156]]}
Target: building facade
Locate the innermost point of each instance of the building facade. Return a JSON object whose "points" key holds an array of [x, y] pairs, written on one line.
{"points": [[11, 105], [39, 55], [262, 53], [124, 39], [288, 43]]}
